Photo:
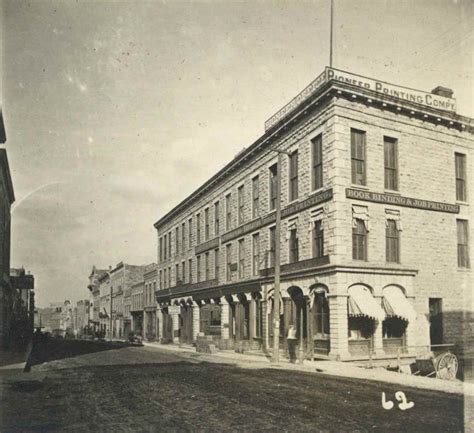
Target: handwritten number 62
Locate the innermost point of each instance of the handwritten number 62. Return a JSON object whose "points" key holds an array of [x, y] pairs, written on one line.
{"points": [[400, 396]]}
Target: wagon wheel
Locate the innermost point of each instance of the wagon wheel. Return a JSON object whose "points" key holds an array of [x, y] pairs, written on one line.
{"points": [[447, 366]]}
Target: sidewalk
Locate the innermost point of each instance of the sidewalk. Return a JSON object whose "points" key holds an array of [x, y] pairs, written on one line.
{"points": [[332, 368]]}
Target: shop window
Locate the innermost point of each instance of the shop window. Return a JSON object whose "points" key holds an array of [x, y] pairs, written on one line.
{"points": [[321, 315], [394, 327], [258, 317], [360, 328]]}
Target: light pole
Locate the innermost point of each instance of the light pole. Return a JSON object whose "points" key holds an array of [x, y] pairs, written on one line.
{"points": [[276, 290]]}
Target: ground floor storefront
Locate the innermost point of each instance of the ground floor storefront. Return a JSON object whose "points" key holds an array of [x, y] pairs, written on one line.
{"points": [[136, 324], [341, 313]]}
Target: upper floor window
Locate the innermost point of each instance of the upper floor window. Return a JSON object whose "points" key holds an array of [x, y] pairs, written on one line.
{"points": [[165, 247], [390, 163], [241, 204], [183, 237], [178, 277], [183, 271], [216, 263], [317, 148], [176, 241], [255, 197], [241, 258], [293, 173], [217, 218], [318, 239], [358, 157], [207, 269], [255, 253], [190, 271], [271, 252], [198, 268], [169, 245], [198, 228], [460, 162], [273, 170], [228, 257], [359, 240], [161, 249], [463, 244], [206, 224], [190, 232], [294, 253], [392, 242], [228, 211]]}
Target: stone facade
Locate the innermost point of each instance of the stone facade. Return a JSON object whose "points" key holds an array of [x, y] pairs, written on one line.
{"points": [[358, 262], [7, 294]]}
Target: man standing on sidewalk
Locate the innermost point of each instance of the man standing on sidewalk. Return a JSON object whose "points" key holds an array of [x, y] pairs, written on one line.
{"points": [[291, 340]]}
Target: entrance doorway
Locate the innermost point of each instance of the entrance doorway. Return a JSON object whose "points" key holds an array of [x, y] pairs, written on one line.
{"points": [[436, 320]]}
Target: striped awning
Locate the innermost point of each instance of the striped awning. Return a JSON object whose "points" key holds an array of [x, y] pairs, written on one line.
{"points": [[396, 304], [361, 303]]}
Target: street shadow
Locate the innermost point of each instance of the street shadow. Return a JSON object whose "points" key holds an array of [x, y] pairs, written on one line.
{"points": [[51, 349]]}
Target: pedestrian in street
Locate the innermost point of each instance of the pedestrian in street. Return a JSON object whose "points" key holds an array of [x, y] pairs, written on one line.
{"points": [[291, 341]]}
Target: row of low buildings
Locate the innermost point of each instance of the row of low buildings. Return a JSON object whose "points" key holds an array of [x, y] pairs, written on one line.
{"points": [[16, 285], [123, 301], [374, 183]]}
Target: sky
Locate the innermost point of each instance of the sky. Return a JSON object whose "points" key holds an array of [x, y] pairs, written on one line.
{"points": [[116, 111]]}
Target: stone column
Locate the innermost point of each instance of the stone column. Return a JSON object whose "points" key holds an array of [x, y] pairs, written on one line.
{"points": [[196, 319], [378, 337], [252, 313], [144, 325], [174, 311], [159, 324], [224, 319], [338, 323]]}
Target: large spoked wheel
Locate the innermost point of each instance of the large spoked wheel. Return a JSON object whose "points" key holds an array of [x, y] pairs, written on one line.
{"points": [[447, 366]]}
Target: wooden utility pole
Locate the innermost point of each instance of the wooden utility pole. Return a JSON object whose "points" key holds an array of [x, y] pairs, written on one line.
{"points": [[331, 34], [111, 300], [276, 290]]}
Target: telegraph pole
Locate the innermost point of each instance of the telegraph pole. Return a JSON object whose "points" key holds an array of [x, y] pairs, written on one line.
{"points": [[111, 299], [331, 34], [276, 290]]}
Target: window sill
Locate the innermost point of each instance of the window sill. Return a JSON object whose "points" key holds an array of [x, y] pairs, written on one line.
{"points": [[316, 191], [362, 187], [464, 269], [391, 192], [462, 203]]}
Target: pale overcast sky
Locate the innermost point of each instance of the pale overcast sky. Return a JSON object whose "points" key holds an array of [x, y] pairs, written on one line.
{"points": [[116, 111]]}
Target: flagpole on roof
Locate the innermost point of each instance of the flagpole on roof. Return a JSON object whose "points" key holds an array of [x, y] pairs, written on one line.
{"points": [[331, 34]]}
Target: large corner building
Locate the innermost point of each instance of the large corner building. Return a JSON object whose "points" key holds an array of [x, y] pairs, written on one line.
{"points": [[375, 229]]}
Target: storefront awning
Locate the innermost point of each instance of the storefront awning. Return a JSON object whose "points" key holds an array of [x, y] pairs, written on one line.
{"points": [[362, 303], [396, 304]]}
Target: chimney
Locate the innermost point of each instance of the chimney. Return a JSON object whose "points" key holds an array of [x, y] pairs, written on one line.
{"points": [[442, 91]]}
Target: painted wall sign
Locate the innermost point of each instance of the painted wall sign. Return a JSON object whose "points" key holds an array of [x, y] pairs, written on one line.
{"points": [[410, 95], [384, 89], [268, 219], [401, 201]]}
